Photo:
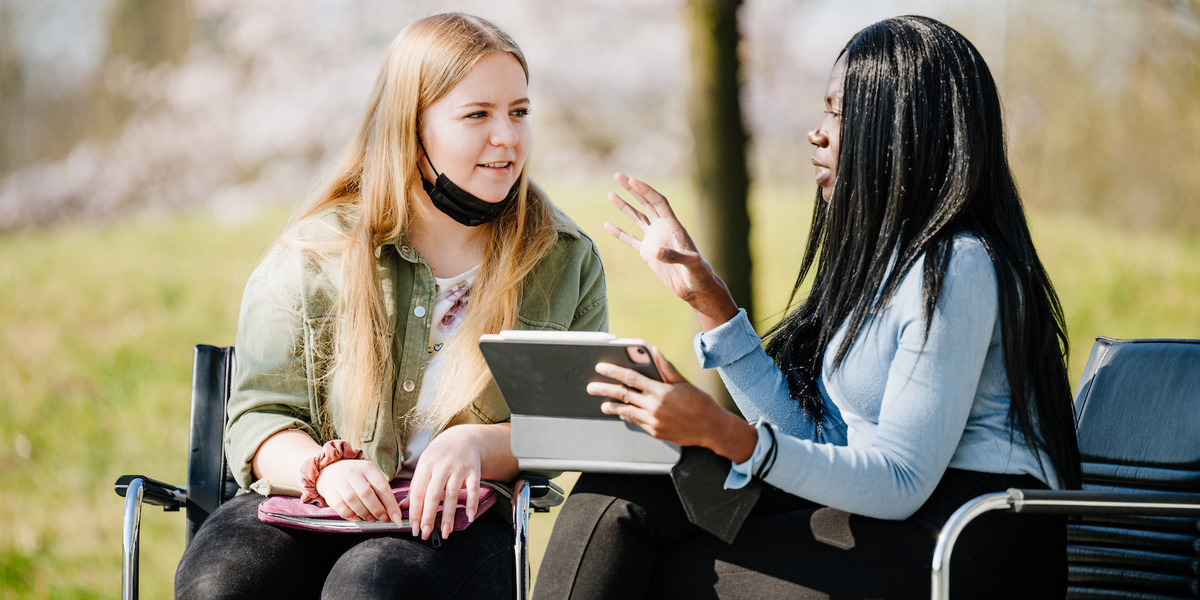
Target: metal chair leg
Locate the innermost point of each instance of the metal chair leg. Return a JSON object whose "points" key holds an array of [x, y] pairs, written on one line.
{"points": [[521, 537], [952, 529], [131, 533]]}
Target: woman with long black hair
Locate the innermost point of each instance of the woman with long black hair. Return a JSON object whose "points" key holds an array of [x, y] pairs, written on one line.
{"points": [[926, 366]]}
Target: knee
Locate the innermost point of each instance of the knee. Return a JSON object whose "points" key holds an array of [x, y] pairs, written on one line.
{"points": [[213, 582], [387, 569]]}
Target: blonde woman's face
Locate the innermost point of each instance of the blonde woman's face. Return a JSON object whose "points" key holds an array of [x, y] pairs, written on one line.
{"points": [[478, 134]]}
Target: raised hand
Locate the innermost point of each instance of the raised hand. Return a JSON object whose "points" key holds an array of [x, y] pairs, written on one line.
{"points": [[670, 252]]}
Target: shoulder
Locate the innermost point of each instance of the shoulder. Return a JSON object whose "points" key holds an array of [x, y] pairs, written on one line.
{"points": [[969, 280], [329, 226], [566, 289], [970, 283], [969, 258], [970, 262], [305, 261], [572, 241]]}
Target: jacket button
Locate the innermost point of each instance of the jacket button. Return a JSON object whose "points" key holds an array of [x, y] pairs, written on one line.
{"points": [[409, 385], [419, 311]]}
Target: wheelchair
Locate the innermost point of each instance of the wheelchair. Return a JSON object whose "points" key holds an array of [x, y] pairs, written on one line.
{"points": [[210, 481]]}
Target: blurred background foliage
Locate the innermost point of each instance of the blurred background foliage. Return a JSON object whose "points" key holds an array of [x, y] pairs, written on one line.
{"points": [[150, 151], [109, 107]]}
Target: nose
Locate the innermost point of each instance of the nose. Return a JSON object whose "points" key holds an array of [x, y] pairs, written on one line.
{"points": [[504, 134], [817, 137]]}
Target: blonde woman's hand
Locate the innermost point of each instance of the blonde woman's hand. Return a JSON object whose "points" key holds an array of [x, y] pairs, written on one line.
{"points": [[452, 462], [670, 253], [359, 491], [673, 409]]}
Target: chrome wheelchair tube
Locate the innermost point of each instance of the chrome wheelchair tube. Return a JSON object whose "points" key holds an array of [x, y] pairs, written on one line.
{"points": [[521, 495], [129, 539], [952, 529]]}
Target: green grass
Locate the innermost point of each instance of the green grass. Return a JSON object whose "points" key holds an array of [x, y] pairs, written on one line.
{"points": [[97, 324]]}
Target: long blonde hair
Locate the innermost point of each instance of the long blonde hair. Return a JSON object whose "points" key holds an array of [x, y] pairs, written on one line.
{"points": [[376, 181]]}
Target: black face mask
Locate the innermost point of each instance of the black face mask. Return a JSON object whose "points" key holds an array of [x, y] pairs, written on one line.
{"points": [[461, 205]]}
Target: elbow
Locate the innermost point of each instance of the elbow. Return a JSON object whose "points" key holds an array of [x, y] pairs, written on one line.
{"points": [[893, 511], [909, 492]]}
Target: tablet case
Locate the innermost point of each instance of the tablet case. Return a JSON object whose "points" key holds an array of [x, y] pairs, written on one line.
{"points": [[556, 424]]}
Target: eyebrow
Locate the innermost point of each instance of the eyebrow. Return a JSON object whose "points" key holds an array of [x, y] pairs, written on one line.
{"points": [[491, 105]]}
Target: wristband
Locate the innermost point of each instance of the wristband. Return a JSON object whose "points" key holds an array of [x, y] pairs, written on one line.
{"points": [[331, 452], [772, 452]]}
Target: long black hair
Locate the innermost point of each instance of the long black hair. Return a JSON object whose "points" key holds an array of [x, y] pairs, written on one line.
{"points": [[922, 159]]}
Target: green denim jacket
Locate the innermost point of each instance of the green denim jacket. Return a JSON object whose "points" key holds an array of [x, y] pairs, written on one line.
{"points": [[284, 339]]}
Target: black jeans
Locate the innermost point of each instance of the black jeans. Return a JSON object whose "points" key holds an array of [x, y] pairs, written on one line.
{"points": [[626, 536], [234, 555]]}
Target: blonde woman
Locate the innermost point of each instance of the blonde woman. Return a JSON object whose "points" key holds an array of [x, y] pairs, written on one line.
{"points": [[358, 331]]}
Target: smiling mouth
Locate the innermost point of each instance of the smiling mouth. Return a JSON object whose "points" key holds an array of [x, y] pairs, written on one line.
{"points": [[497, 165]]}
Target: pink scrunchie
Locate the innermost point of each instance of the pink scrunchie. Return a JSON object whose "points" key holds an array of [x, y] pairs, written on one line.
{"points": [[331, 452]]}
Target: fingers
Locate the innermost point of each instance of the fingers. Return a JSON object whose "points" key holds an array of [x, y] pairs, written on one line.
{"points": [[647, 196], [668, 371], [624, 236], [628, 413], [628, 210], [687, 258], [454, 486], [614, 391], [416, 501], [358, 491], [429, 505], [629, 377], [442, 488], [383, 490], [472, 506], [449, 507]]}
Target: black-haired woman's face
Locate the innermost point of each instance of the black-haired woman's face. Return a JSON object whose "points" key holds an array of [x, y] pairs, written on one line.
{"points": [[827, 135]]}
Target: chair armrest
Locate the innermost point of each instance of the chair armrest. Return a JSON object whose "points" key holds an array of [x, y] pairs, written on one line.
{"points": [[170, 497], [1083, 502], [1071, 502], [543, 493]]}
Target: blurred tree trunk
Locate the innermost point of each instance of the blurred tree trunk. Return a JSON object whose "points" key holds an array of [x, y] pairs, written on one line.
{"points": [[720, 174]]}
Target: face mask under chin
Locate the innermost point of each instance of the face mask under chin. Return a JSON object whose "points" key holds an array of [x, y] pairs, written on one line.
{"points": [[463, 206], [459, 204]]}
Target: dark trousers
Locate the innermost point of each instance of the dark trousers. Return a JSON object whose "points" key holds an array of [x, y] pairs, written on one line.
{"points": [[625, 536], [234, 555]]}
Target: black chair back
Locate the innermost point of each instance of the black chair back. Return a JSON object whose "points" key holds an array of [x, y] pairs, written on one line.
{"points": [[210, 482], [1138, 408]]}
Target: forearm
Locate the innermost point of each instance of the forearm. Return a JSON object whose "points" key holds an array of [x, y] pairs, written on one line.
{"points": [[713, 306], [756, 383], [733, 438], [279, 458]]}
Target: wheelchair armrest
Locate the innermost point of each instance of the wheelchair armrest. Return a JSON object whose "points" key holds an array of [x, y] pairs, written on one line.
{"points": [[1071, 502], [543, 493], [158, 493], [1084, 502]]}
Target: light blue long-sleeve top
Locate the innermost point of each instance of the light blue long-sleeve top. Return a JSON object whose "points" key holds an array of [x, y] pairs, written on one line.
{"points": [[899, 410]]}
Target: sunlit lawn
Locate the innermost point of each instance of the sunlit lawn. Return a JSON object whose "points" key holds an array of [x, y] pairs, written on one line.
{"points": [[97, 324]]}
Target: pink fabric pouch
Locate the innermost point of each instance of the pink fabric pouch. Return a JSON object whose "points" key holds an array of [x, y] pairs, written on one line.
{"points": [[289, 511]]}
